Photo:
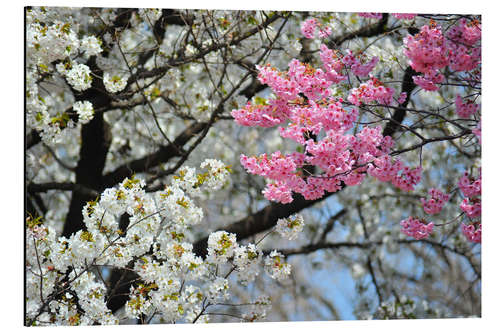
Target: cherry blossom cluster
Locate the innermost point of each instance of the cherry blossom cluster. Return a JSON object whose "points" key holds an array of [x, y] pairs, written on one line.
{"points": [[342, 157], [310, 26], [334, 63], [436, 202], [465, 109], [427, 53], [114, 83], [78, 76], [52, 127], [357, 67], [54, 47], [313, 83], [427, 50], [472, 232], [267, 115], [470, 186], [247, 259], [371, 91], [416, 228], [429, 81], [471, 205], [84, 110], [276, 265], [471, 189], [463, 42], [430, 50], [402, 97], [221, 246], [303, 98], [290, 227], [216, 175], [105, 242], [396, 172], [174, 283], [47, 43], [91, 46]]}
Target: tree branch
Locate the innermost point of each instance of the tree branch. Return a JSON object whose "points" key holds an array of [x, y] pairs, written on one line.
{"points": [[262, 220], [162, 155], [398, 116], [366, 31]]}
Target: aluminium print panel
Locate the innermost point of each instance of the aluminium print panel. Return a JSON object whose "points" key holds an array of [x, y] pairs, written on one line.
{"points": [[192, 166]]}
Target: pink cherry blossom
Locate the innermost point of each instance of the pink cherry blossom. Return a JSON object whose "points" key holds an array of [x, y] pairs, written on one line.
{"points": [[402, 97], [416, 228], [324, 31], [357, 67], [332, 63], [428, 81], [278, 167], [463, 44], [259, 115], [309, 27], [427, 50], [471, 207], [408, 178], [465, 109], [278, 192], [472, 233], [469, 186], [436, 202], [371, 91], [384, 169]]}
